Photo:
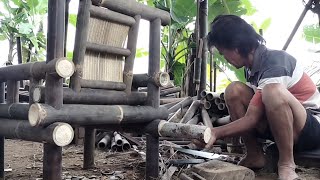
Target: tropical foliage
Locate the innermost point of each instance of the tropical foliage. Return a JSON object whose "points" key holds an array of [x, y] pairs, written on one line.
{"points": [[176, 38], [24, 19]]}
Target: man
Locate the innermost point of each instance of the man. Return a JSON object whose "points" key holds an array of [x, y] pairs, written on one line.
{"points": [[279, 102]]}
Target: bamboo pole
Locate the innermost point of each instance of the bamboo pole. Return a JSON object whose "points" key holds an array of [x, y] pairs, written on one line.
{"points": [[170, 100], [52, 154], [203, 31], [186, 102], [2, 99], [94, 96], [152, 149], [42, 114], [88, 150], [205, 118], [108, 15], [108, 85], [170, 91], [37, 70], [104, 49], [14, 110], [180, 130], [59, 134], [129, 61], [104, 142], [133, 8], [191, 111]]}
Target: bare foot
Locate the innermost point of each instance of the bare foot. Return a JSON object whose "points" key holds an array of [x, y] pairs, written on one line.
{"points": [[287, 172], [253, 161]]}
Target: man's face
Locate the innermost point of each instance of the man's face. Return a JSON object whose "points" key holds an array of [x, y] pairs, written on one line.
{"points": [[233, 57]]}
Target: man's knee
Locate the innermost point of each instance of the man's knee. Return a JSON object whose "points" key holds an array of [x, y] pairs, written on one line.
{"points": [[235, 90], [274, 96]]}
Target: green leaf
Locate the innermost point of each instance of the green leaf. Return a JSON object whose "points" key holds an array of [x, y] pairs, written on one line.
{"points": [[183, 11], [141, 52], [25, 28], [311, 33], [73, 19], [266, 23]]}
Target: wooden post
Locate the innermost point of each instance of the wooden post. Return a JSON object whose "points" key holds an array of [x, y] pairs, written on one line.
{"points": [[88, 151], [52, 154], [152, 156]]}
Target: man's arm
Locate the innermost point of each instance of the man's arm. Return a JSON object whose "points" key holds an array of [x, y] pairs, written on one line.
{"points": [[253, 115]]}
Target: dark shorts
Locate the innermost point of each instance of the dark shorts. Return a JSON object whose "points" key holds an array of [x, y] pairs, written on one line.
{"points": [[309, 137]]}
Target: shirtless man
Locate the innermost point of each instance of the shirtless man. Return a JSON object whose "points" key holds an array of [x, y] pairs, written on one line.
{"points": [[278, 102]]}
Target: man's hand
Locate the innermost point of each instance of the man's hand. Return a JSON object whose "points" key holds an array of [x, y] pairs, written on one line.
{"points": [[212, 139]]}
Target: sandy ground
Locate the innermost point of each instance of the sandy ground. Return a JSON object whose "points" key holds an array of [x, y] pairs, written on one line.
{"points": [[24, 161]]}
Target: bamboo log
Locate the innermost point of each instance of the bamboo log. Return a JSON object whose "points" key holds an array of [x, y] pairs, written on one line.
{"points": [[174, 117], [206, 104], [161, 79], [118, 139], [186, 102], [60, 67], [106, 14], [103, 49], [170, 91], [217, 101], [221, 106], [223, 120], [184, 130], [205, 118], [194, 120], [170, 100], [60, 134], [169, 105], [105, 142], [203, 94], [42, 114], [94, 96], [113, 145], [125, 145], [212, 95], [152, 147], [14, 110], [190, 113], [133, 8], [108, 85]]}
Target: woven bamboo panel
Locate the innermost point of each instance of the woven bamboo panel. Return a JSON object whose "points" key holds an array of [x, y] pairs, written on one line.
{"points": [[105, 67]]}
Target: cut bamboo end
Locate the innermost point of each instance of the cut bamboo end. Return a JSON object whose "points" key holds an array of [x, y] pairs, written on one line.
{"points": [[64, 68], [63, 134], [36, 114], [207, 135], [36, 95], [162, 79]]}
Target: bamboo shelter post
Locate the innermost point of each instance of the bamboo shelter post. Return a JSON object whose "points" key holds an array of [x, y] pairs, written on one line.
{"points": [[153, 99], [203, 31], [52, 154]]}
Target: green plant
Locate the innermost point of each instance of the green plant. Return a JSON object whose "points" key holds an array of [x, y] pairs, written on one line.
{"points": [[21, 18]]}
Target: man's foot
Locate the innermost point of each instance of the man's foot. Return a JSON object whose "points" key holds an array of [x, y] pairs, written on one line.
{"points": [[253, 161], [287, 172]]}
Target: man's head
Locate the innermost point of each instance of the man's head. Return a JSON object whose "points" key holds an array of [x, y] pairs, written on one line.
{"points": [[231, 33]]}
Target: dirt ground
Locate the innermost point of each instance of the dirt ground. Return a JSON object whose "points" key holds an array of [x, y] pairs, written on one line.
{"points": [[23, 160]]}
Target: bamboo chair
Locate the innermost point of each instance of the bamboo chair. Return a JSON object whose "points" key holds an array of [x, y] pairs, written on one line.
{"points": [[104, 53]]}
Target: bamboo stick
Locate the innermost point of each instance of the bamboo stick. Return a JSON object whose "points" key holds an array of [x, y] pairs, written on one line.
{"points": [[42, 114]]}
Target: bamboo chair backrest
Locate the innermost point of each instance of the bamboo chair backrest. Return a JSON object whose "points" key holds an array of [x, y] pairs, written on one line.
{"points": [[101, 48]]}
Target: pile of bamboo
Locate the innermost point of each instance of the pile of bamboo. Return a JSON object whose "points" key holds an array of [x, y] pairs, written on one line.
{"points": [[210, 110], [112, 141]]}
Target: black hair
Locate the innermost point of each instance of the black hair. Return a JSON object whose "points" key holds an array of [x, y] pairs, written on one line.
{"points": [[231, 32]]}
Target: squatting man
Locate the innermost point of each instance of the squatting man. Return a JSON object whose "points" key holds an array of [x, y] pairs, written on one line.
{"points": [[279, 101]]}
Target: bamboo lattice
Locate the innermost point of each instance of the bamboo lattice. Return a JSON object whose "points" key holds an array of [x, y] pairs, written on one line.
{"points": [[105, 67]]}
